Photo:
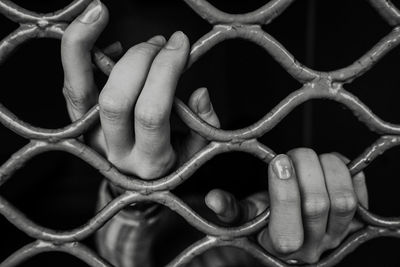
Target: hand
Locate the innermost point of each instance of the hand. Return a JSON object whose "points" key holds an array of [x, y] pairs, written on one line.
{"points": [[135, 104], [312, 201]]}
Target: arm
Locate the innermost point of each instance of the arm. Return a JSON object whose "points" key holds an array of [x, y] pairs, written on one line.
{"points": [[134, 133]]}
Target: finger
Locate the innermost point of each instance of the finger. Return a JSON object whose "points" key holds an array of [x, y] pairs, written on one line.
{"points": [[359, 183], [224, 205], [314, 196], [120, 93], [230, 210], [341, 194], [79, 88], [285, 229], [153, 108], [200, 104]]}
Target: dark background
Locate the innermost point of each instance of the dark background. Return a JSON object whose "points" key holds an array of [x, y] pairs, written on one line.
{"points": [[59, 191]]}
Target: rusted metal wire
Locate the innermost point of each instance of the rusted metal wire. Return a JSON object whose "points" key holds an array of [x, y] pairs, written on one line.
{"points": [[316, 84]]}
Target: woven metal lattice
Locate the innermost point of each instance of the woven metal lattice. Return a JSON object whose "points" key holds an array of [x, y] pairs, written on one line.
{"points": [[316, 84]]}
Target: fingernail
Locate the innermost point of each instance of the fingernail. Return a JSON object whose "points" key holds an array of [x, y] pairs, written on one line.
{"points": [[158, 40], [176, 40], [92, 12], [282, 167], [204, 105]]}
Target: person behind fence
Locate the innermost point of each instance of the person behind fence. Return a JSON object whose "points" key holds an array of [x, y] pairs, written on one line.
{"points": [[312, 197]]}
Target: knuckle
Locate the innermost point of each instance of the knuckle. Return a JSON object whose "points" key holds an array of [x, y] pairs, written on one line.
{"points": [[343, 204], [150, 120], [111, 107], [315, 208]]}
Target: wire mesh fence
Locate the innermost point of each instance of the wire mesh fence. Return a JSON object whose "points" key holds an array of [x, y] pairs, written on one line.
{"points": [[315, 85]]}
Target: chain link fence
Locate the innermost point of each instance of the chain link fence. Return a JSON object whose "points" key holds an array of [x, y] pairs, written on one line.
{"points": [[315, 85]]}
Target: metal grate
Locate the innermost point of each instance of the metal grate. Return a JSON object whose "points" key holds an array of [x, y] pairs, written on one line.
{"points": [[316, 84]]}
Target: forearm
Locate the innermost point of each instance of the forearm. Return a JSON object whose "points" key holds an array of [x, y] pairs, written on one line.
{"points": [[126, 240]]}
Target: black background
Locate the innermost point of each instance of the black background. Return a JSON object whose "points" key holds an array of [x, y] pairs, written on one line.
{"points": [[59, 191]]}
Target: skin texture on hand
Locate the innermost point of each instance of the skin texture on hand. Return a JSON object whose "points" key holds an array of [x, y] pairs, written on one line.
{"points": [[312, 201], [135, 104]]}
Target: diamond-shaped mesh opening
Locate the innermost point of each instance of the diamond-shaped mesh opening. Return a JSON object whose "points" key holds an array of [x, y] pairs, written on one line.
{"points": [[292, 35], [383, 78], [145, 21], [340, 38], [226, 171], [328, 132], [43, 102], [382, 178], [331, 132], [365, 254], [69, 182], [229, 71]]}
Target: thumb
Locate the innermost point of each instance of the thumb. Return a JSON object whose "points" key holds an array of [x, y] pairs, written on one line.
{"points": [[200, 104], [79, 89]]}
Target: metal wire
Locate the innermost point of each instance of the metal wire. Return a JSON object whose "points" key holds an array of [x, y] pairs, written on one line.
{"points": [[316, 84]]}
